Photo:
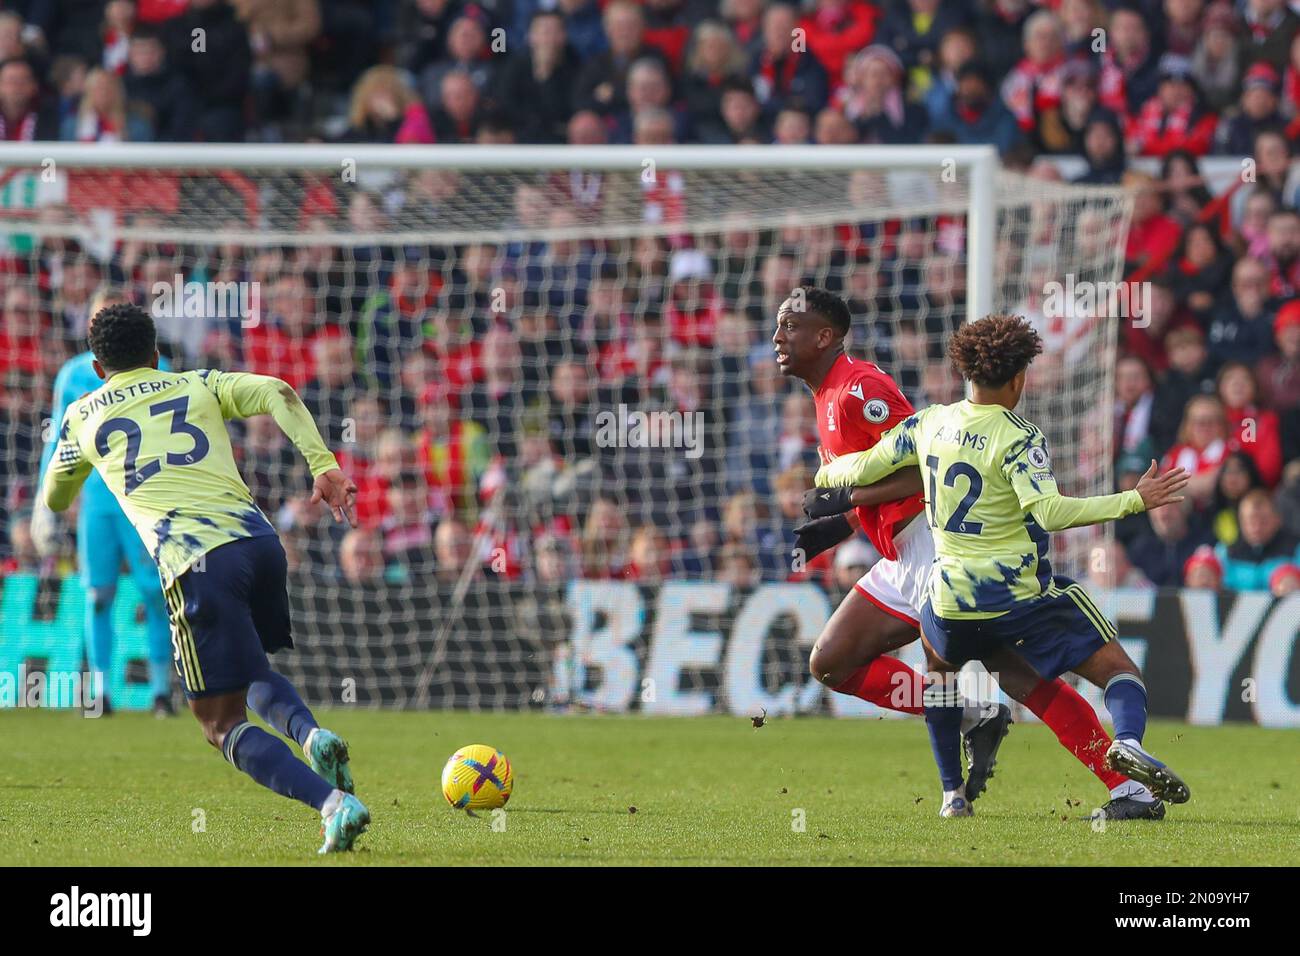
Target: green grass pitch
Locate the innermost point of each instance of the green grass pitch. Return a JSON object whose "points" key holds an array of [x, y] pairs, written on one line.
{"points": [[132, 790]]}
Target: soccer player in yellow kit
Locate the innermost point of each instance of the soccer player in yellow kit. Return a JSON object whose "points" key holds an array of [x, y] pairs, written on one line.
{"points": [[159, 441], [991, 502]]}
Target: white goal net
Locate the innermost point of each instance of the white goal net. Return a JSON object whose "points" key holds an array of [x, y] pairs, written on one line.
{"points": [[477, 342]]}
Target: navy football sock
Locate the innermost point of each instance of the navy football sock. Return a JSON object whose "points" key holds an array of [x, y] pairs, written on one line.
{"points": [[273, 698], [270, 762], [1126, 699], [943, 711]]}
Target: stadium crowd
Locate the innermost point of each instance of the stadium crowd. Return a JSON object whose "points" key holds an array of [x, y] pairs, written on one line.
{"points": [[470, 422]]}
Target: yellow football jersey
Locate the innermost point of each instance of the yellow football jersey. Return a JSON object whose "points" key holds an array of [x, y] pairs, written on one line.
{"points": [[159, 441], [991, 500]]}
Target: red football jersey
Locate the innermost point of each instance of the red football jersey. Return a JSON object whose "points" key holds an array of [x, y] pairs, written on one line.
{"points": [[856, 404]]}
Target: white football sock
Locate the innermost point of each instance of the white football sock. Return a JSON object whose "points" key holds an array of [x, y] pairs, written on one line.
{"points": [[1133, 789], [332, 803]]}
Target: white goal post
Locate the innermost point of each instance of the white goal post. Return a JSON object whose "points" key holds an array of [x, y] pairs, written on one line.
{"points": [[493, 302]]}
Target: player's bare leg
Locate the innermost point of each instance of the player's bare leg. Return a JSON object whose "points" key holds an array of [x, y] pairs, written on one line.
{"points": [[851, 657], [269, 761], [857, 634], [1111, 669]]}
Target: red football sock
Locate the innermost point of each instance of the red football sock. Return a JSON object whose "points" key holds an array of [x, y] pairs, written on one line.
{"points": [[1076, 726], [887, 682]]}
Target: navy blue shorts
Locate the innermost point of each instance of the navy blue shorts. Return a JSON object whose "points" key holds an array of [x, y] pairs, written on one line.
{"points": [[227, 613], [1054, 634]]}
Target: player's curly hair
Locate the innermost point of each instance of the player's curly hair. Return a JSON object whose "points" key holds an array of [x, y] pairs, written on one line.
{"points": [[994, 349], [123, 337], [829, 306]]}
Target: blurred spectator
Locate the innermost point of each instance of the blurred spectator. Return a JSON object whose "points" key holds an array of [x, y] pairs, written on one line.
{"points": [[1183, 24], [698, 557], [1279, 374], [384, 109], [1284, 579], [1273, 174], [279, 34], [334, 387], [1176, 117], [1153, 235], [649, 93], [284, 343], [1255, 430], [1201, 267], [155, 92], [468, 51], [1134, 401], [218, 73], [1190, 202], [745, 523], [1271, 25], [1130, 64], [1263, 546], [1061, 127], [913, 29], [1203, 571], [1216, 59], [782, 74], [1241, 329], [361, 558], [605, 540], [737, 567], [407, 526], [957, 47], [102, 116], [534, 84], [1103, 148], [24, 116], [714, 59], [454, 453], [1112, 568], [1238, 476], [358, 456], [1283, 257], [602, 83], [976, 114], [22, 557], [22, 330], [116, 32], [456, 118], [874, 99], [1172, 535], [1201, 447], [852, 560], [837, 29], [742, 116], [454, 552], [1257, 112], [1033, 87], [649, 561]]}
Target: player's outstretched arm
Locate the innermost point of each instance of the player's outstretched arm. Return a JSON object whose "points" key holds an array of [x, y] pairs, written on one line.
{"points": [[1160, 490], [242, 394], [339, 492], [1058, 513]]}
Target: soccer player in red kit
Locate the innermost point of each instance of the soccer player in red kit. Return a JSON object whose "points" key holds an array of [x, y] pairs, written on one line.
{"points": [[856, 403]]}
